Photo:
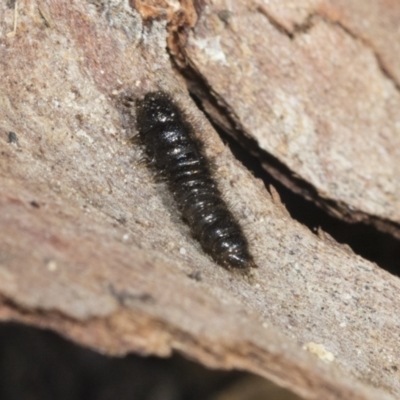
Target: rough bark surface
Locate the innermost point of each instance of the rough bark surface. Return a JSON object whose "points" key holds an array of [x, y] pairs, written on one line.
{"points": [[313, 83], [94, 249]]}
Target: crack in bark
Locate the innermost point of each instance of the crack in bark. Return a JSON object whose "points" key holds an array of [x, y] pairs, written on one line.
{"points": [[381, 64], [307, 25], [224, 117], [28, 313], [274, 22]]}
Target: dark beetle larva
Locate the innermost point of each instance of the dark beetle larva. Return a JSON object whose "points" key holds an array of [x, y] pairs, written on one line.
{"points": [[177, 155]]}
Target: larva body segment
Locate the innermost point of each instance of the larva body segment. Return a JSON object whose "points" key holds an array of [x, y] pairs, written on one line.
{"points": [[177, 155]]}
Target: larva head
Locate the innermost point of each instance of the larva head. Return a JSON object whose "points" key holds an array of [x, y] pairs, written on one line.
{"points": [[155, 109]]}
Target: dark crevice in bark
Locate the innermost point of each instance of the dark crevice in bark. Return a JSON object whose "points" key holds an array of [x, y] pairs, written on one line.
{"points": [[365, 240], [372, 238], [357, 230]]}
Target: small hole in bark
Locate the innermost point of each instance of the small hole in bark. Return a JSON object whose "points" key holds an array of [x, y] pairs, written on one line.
{"points": [[12, 137]]}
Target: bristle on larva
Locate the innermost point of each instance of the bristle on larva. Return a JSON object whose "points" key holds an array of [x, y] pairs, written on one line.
{"points": [[177, 155]]}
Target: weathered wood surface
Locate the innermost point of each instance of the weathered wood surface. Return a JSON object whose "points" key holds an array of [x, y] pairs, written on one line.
{"points": [[92, 248], [315, 85]]}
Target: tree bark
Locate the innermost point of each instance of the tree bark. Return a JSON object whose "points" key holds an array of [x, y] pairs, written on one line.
{"points": [[92, 245]]}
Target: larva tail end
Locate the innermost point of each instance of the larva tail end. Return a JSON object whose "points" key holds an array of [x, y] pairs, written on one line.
{"points": [[238, 261]]}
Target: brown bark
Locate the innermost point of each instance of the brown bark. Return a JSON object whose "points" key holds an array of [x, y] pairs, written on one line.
{"points": [[94, 249], [315, 87]]}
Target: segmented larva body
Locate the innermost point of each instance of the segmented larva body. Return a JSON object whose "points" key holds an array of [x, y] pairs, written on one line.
{"points": [[178, 156]]}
